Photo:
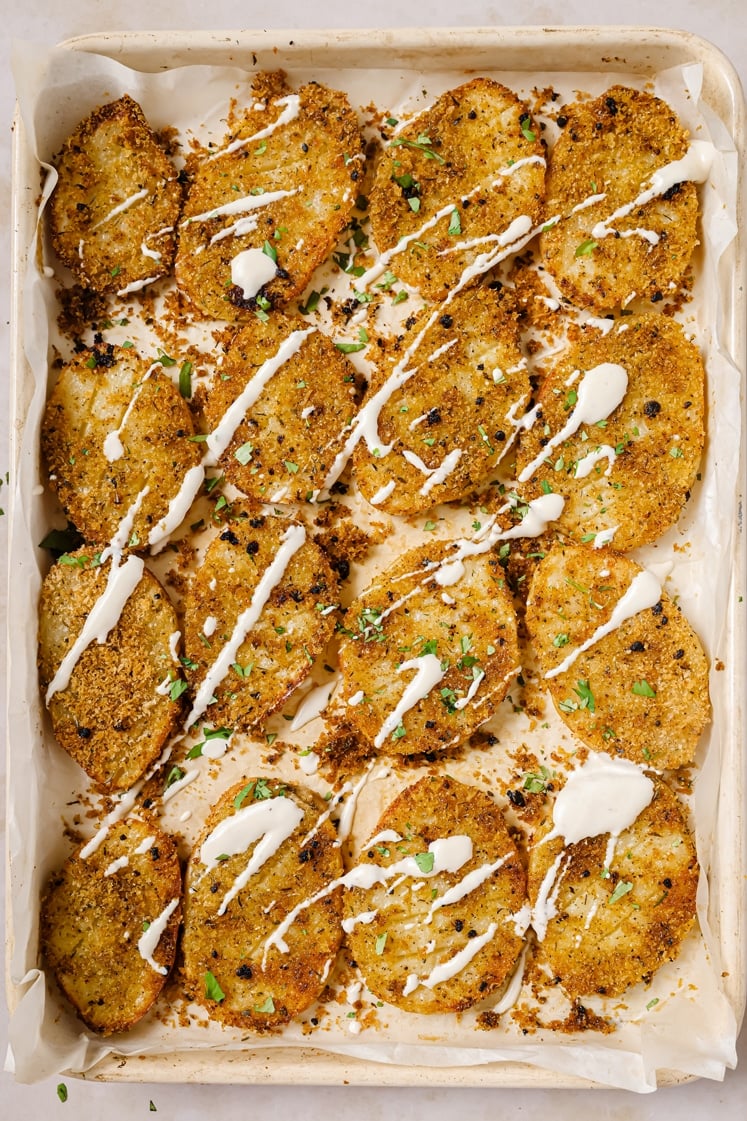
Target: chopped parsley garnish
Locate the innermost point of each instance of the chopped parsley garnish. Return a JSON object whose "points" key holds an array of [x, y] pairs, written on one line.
{"points": [[621, 889], [176, 774], [425, 861], [455, 223], [62, 1091], [177, 688], [586, 247], [422, 144], [350, 348], [643, 689], [270, 251], [525, 121], [185, 379], [266, 1006], [380, 943], [213, 991], [244, 453]]}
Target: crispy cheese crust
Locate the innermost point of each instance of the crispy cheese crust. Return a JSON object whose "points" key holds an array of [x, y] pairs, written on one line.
{"points": [[409, 933], [99, 391], [463, 161], [615, 926], [451, 417], [308, 167], [611, 146], [110, 719], [231, 946], [116, 205], [650, 445], [95, 912], [648, 678], [288, 439], [401, 618], [281, 646]]}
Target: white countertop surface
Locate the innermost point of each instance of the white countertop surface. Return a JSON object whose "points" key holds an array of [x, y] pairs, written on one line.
{"points": [[723, 22]]}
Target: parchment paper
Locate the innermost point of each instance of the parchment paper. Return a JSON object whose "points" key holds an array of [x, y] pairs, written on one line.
{"points": [[692, 1027]]}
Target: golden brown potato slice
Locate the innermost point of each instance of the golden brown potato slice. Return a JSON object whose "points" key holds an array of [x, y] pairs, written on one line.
{"points": [[462, 175], [642, 689], [109, 924], [116, 205], [263, 852], [116, 714], [449, 424], [284, 183], [443, 930], [115, 425], [423, 664], [264, 568], [301, 393], [629, 476], [603, 161], [615, 924]]}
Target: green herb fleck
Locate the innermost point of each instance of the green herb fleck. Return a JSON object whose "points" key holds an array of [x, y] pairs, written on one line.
{"points": [[586, 248], [266, 1006], [455, 223], [425, 861], [643, 689], [213, 991], [185, 379], [270, 251], [62, 1091], [381, 943], [621, 889]]}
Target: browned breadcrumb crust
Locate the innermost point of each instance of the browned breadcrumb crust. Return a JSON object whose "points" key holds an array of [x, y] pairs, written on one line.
{"points": [[292, 631], [648, 678], [611, 146], [92, 919], [312, 159], [457, 154], [110, 719], [117, 193], [287, 441], [408, 935], [655, 435], [90, 400], [448, 426], [261, 994], [642, 904], [402, 616]]}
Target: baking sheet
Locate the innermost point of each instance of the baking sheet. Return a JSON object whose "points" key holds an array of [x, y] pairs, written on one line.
{"points": [[690, 1030]]}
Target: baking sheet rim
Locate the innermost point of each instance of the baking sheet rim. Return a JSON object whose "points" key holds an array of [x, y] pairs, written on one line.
{"points": [[281, 1065]]}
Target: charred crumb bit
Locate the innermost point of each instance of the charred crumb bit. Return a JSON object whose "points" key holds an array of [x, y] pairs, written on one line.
{"points": [[611, 105], [636, 647], [458, 925], [433, 417], [256, 523], [446, 321], [244, 972], [658, 608], [84, 733], [652, 408], [154, 852], [214, 888], [561, 120], [678, 654], [586, 873], [657, 297], [252, 548], [516, 798], [229, 536], [672, 192], [472, 933]]}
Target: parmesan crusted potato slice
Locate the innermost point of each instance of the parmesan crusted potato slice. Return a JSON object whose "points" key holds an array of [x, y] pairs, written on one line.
{"points": [[112, 718], [424, 666], [285, 183], [603, 161], [641, 690], [116, 441], [460, 182], [449, 424], [263, 852], [109, 924], [297, 417], [432, 939], [114, 210], [617, 921], [629, 479], [261, 592]]}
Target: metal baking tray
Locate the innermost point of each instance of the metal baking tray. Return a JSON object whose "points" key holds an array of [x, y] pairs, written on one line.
{"points": [[639, 51]]}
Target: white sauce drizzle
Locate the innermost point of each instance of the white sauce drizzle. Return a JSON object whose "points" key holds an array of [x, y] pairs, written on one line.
{"points": [[694, 166], [428, 673], [438, 475], [605, 536], [128, 202], [269, 823], [470, 883], [585, 466], [113, 447], [604, 795], [179, 507], [290, 542], [221, 436], [313, 704], [600, 391], [383, 493], [345, 824], [454, 965], [149, 939], [644, 592], [137, 285], [244, 205], [208, 627], [363, 918], [123, 861], [291, 104], [102, 618], [449, 855], [511, 995], [174, 646], [250, 270]]}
